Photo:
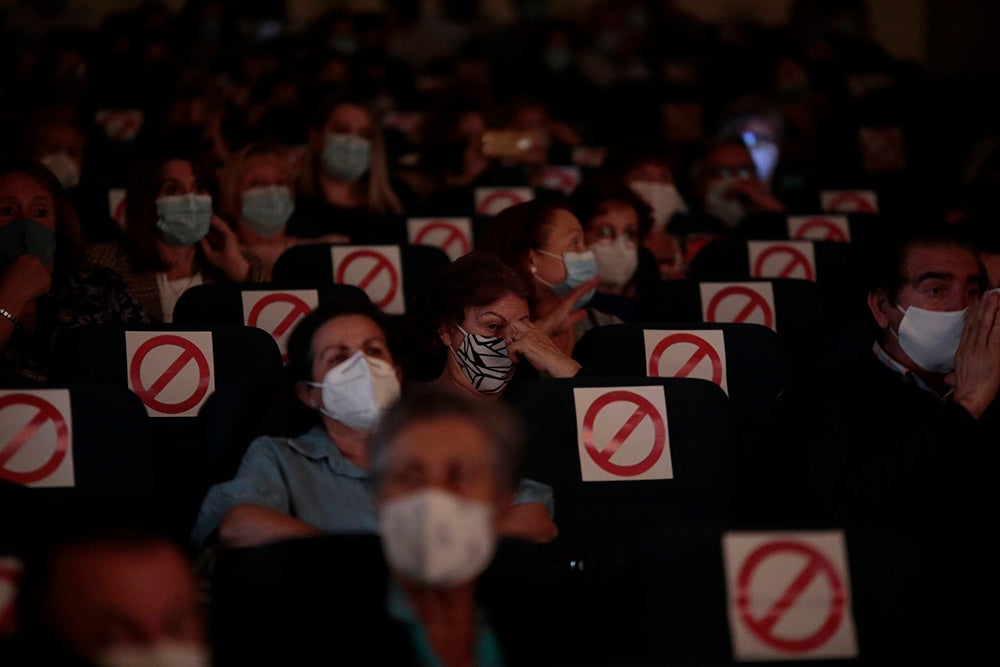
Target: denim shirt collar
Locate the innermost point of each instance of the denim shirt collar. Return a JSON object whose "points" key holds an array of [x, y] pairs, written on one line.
{"points": [[316, 445]]}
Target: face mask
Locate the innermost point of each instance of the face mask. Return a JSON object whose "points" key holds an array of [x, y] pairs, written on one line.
{"points": [[266, 210], [663, 198], [437, 538], [162, 654], [931, 337], [718, 203], [347, 157], [26, 236], [357, 390], [64, 167], [484, 361], [580, 267], [184, 219], [616, 260]]}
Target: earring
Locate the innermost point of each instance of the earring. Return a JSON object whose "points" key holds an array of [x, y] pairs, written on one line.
{"points": [[533, 269]]}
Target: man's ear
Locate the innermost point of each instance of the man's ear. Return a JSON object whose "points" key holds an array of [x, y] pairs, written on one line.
{"points": [[880, 306]]}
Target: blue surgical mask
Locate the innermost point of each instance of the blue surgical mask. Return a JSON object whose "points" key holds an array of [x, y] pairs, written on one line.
{"points": [[184, 219], [580, 267], [347, 157], [266, 210], [27, 236]]}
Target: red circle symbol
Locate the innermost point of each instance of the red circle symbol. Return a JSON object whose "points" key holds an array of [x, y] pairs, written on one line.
{"points": [[486, 205], [703, 350], [850, 202], [797, 260], [189, 352], [46, 413], [831, 231], [382, 263], [299, 309], [452, 235], [757, 300], [816, 565], [602, 457]]}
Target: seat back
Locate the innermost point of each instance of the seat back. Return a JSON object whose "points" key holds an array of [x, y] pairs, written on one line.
{"points": [[178, 371], [373, 268], [84, 451], [626, 454], [792, 307]]}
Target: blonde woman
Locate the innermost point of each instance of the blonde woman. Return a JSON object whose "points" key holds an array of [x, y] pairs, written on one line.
{"points": [[257, 198]]}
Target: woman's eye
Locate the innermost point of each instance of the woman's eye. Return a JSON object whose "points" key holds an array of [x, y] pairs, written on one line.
{"points": [[606, 233], [40, 212], [7, 211]]}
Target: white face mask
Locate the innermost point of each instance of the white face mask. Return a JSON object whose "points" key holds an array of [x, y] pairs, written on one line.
{"points": [[718, 203], [930, 337], [357, 390], [616, 260], [663, 198], [64, 167], [437, 538], [162, 654]]}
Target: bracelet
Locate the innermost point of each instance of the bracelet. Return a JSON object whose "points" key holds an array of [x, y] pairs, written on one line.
{"points": [[10, 316]]}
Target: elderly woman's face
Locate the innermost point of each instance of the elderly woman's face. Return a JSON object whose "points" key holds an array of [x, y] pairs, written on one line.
{"points": [[21, 196], [493, 319], [342, 336], [448, 453]]}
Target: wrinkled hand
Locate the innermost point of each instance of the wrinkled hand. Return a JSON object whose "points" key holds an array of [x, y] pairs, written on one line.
{"points": [[529, 341], [222, 250], [558, 316], [976, 377], [22, 281]]}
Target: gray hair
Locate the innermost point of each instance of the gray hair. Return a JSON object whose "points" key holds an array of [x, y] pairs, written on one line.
{"points": [[500, 423]]}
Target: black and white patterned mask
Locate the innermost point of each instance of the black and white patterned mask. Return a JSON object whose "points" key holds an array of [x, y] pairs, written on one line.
{"points": [[484, 361]]}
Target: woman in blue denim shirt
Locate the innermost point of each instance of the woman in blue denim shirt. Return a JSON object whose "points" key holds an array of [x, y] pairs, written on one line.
{"points": [[318, 482]]}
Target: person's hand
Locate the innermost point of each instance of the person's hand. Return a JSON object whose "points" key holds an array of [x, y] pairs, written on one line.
{"points": [[558, 315], [757, 197], [529, 341], [976, 377], [22, 281], [222, 250]]}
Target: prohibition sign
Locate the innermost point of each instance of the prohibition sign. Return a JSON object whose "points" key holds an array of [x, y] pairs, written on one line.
{"points": [[486, 205], [46, 413], [299, 309], [704, 350], [816, 565], [833, 232], [643, 409], [797, 260], [756, 301], [452, 235], [850, 201], [189, 351], [381, 263]]}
